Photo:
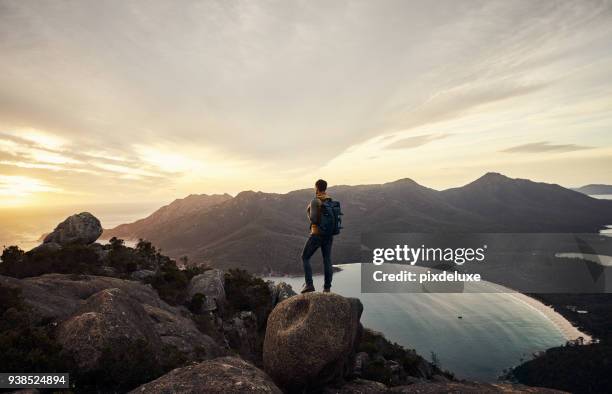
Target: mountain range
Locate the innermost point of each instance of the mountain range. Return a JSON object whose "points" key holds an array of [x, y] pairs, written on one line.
{"points": [[264, 232], [594, 189]]}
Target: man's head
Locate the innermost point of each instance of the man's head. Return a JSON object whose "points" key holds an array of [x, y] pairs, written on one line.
{"points": [[320, 185]]}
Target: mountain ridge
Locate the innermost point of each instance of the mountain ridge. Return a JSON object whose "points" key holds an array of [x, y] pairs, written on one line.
{"points": [[264, 232], [594, 189]]}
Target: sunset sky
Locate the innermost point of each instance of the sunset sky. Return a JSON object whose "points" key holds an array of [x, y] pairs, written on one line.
{"points": [[127, 101]]}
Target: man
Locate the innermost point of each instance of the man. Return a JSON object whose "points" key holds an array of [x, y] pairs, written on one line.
{"points": [[318, 239]]}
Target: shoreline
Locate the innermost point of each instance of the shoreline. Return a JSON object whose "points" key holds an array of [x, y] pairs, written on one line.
{"points": [[567, 329]]}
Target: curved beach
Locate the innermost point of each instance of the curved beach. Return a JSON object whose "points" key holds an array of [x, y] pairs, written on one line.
{"points": [[565, 326]]}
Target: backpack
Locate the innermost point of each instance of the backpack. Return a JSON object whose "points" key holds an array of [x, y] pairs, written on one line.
{"points": [[330, 220]]}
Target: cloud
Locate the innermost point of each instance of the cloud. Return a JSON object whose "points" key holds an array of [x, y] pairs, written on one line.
{"points": [[228, 93], [20, 186], [415, 141], [237, 78], [545, 146]]}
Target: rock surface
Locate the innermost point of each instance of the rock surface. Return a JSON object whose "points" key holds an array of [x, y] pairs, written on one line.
{"points": [[241, 334], [469, 388], [358, 386], [110, 319], [86, 304], [311, 339], [211, 284], [280, 291], [58, 296], [48, 247], [82, 228], [220, 375], [141, 275]]}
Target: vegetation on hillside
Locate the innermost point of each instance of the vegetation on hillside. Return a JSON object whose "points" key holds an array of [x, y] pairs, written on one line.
{"points": [[575, 368], [382, 352], [27, 342]]}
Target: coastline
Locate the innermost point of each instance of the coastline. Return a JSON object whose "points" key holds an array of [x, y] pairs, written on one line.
{"points": [[569, 331]]}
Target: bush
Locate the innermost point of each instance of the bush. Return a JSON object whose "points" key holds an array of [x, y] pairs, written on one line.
{"points": [[245, 292], [576, 369], [196, 303], [12, 255], [380, 349], [127, 260], [171, 283], [26, 344], [70, 259], [376, 370], [127, 368]]}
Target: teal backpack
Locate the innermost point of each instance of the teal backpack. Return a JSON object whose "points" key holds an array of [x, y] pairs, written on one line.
{"points": [[330, 221]]}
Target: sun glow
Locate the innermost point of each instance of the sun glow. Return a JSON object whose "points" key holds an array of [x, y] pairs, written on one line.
{"points": [[19, 190], [39, 138]]}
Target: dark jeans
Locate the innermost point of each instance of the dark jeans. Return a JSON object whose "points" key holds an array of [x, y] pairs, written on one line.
{"points": [[315, 242]]}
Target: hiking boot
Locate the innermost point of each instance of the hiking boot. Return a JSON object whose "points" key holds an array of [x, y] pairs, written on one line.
{"points": [[327, 290], [307, 288]]}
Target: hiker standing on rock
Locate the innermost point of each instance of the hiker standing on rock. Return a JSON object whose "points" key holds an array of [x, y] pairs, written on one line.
{"points": [[325, 222]]}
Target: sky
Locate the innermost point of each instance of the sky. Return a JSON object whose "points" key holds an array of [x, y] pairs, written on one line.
{"points": [[143, 101]]}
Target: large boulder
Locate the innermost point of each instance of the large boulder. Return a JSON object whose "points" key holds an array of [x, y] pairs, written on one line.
{"points": [[59, 296], [220, 375], [211, 284], [110, 319], [82, 228], [311, 340], [85, 303]]}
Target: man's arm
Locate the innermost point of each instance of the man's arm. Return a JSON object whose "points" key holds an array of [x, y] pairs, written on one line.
{"points": [[313, 211]]}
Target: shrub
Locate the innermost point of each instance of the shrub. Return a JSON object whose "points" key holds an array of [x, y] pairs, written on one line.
{"points": [[376, 370], [196, 303], [26, 344], [245, 292], [70, 259], [125, 367], [171, 283]]}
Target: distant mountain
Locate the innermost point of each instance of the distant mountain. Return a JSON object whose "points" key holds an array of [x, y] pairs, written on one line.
{"points": [[171, 214], [520, 205], [594, 189], [264, 232]]}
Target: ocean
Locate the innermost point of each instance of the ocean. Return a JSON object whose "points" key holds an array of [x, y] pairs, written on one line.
{"points": [[496, 331], [25, 226]]}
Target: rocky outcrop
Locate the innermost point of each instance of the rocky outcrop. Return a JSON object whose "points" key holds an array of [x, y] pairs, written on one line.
{"points": [[58, 296], [49, 247], [211, 285], [392, 364], [142, 275], [358, 386], [469, 388], [242, 335], [361, 360], [280, 291], [361, 386], [82, 228], [311, 340], [95, 312], [220, 375], [110, 319]]}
